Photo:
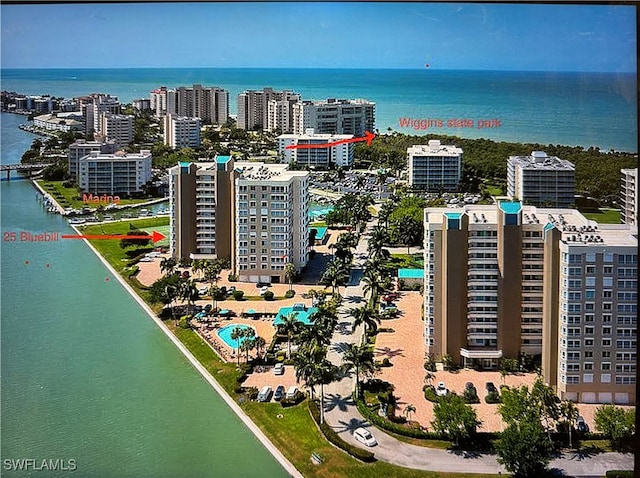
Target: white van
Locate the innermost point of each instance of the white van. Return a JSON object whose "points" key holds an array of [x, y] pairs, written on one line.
{"points": [[291, 393], [264, 394]]}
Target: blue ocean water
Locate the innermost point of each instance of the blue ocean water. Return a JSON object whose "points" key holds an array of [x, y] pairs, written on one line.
{"points": [[87, 376], [586, 109]]}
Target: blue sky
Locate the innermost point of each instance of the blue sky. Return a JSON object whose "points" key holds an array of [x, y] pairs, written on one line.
{"points": [[320, 35]]}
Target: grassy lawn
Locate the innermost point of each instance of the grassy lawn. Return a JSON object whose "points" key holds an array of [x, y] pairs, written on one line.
{"points": [[604, 216], [493, 189], [407, 261], [70, 197], [295, 434], [111, 250]]}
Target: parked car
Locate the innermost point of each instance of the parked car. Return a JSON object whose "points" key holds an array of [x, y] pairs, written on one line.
{"points": [[365, 437], [203, 290], [490, 387], [207, 308], [231, 290], [292, 392], [263, 290], [264, 394], [441, 389], [279, 393], [581, 425], [278, 369]]}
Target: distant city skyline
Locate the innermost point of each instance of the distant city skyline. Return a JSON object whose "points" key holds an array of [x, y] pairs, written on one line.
{"points": [[463, 36]]}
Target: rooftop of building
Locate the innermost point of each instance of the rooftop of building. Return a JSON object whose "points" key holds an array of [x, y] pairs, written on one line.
{"points": [[118, 155], [575, 228], [339, 101], [50, 118], [434, 148], [539, 160], [266, 172], [310, 134]]}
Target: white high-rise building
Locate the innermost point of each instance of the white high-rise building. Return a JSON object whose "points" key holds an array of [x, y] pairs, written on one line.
{"points": [[271, 221], [93, 106], [82, 148], [629, 197], [181, 132], [118, 128], [115, 174], [334, 116], [541, 180], [434, 167], [338, 155]]}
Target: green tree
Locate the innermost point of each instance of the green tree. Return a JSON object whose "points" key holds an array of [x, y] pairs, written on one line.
{"points": [[454, 418], [409, 232], [365, 315], [408, 410], [616, 423], [360, 359], [236, 334], [290, 326], [570, 413], [249, 343], [524, 449], [335, 275], [324, 373], [168, 265], [305, 362], [290, 273]]}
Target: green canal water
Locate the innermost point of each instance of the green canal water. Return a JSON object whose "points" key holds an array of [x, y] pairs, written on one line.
{"points": [[87, 376]]}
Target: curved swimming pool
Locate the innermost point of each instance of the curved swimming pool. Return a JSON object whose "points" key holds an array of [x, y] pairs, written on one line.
{"points": [[225, 334]]}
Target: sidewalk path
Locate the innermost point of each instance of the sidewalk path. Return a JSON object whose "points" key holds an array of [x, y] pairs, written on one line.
{"points": [[342, 415]]}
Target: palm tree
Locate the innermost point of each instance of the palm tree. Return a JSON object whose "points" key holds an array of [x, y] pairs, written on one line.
{"points": [[385, 211], [259, 343], [168, 265], [570, 412], [428, 377], [314, 335], [187, 291], [372, 286], [335, 275], [408, 410], [305, 362], [249, 343], [236, 334], [289, 327], [366, 316], [290, 274], [408, 231], [324, 373], [212, 272], [172, 294], [197, 265], [360, 359]]}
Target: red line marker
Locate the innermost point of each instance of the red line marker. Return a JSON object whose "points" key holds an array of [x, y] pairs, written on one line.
{"points": [[368, 137], [155, 236]]}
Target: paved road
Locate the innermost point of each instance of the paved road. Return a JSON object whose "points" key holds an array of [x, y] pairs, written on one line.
{"points": [[343, 416]]}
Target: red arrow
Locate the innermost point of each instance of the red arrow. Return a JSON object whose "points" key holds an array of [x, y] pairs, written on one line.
{"points": [[155, 236], [368, 137]]}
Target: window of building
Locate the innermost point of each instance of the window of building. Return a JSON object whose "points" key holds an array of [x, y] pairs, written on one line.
{"points": [[591, 269], [590, 256], [606, 342], [605, 378], [589, 330], [607, 257], [606, 354], [605, 366], [588, 354], [590, 281], [606, 330], [587, 378], [588, 366]]}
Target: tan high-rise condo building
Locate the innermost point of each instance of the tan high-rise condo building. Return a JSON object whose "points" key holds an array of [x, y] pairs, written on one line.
{"points": [[508, 280]]}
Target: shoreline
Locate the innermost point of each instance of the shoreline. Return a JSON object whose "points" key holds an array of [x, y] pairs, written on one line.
{"points": [[253, 428], [259, 434]]}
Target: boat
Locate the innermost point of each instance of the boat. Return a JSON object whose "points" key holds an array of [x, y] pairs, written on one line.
{"points": [[76, 220]]}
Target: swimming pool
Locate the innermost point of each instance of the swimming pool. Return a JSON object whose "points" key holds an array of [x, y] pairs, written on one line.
{"points": [[320, 231], [303, 316], [225, 334]]}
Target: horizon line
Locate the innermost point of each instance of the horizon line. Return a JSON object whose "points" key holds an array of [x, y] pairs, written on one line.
{"points": [[312, 68]]}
